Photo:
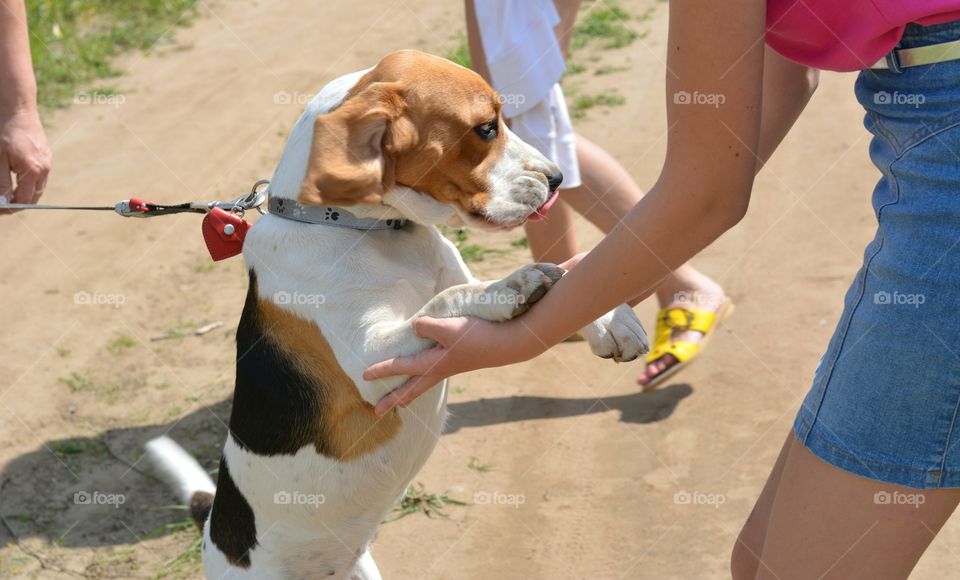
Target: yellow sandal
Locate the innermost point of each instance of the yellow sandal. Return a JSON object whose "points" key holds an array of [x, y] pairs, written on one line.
{"points": [[679, 318]]}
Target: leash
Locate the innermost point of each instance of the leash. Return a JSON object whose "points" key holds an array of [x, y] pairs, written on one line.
{"points": [[224, 228], [134, 207]]}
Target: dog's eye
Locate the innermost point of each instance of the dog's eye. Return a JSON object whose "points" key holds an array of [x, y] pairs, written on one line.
{"points": [[487, 131]]}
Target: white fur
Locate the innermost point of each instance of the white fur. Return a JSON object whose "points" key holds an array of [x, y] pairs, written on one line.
{"points": [[518, 182], [372, 284], [177, 469]]}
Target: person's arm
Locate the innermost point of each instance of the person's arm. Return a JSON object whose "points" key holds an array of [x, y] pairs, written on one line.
{"points": [[787, 88], [715, 52], [23, 144]]}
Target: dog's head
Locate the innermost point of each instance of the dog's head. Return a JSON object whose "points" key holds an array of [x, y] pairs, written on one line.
{"points": [[424, 123]]}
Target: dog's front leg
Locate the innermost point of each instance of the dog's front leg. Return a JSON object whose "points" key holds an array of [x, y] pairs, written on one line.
{"points": [[617, 334], [496, 301]]}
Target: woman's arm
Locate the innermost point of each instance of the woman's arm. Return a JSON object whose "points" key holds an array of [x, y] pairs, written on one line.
{"points": [[714, 91], [23, 145], [787, 88]]}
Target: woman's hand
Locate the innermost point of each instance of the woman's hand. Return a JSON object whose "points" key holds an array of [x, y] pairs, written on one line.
{"points": [[463, 344], [23, 151]]}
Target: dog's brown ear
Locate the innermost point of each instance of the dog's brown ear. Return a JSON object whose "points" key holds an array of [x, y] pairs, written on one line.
{"points": [[348, 161]]}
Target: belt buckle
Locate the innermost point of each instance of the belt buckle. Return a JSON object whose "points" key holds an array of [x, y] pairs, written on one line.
{"points": [[893, 62]]}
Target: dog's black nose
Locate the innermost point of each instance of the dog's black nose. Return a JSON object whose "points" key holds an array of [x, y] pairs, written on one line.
{"points": [[555, 180]]}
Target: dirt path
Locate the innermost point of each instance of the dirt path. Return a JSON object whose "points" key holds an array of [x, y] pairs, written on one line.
{"points": [[588, 479]]}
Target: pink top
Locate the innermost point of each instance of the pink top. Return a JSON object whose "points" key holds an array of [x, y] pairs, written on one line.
{"points": [[847, 35]]}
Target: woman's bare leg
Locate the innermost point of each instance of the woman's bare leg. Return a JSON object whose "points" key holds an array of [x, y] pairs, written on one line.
{"points": [[819, 521], [749, 546]]}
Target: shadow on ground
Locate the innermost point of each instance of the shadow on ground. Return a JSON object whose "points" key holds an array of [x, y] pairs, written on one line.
{"points": [[634, 408], [97, 491]]}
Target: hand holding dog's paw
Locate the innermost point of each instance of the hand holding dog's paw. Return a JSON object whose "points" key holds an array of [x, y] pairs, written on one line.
{"points": [[618, 334], [522, 289]]}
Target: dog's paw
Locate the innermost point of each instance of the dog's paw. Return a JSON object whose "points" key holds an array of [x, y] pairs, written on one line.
{"points": [[522, 289], [618, 334]]}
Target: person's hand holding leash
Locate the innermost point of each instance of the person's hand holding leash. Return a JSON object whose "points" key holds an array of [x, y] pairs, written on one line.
{"points": [[24, 151]]}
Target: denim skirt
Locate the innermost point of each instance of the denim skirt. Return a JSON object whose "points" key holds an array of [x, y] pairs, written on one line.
{"points": [[885, 398]]}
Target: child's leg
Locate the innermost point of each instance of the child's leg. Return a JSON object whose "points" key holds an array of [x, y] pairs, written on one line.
{"points": [[607, 194], [553, 239]]}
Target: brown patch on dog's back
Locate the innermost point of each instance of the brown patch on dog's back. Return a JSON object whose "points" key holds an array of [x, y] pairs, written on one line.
{"points": [[291, 392]]}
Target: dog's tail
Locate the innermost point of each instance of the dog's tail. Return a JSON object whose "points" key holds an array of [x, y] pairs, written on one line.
{"points": [[177, 469]]}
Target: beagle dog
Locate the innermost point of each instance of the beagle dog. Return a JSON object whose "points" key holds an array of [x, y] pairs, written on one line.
{"points": [[347, 258]]}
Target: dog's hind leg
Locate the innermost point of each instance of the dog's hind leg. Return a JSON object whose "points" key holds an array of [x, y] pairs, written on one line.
{"points": [[366, 568]]}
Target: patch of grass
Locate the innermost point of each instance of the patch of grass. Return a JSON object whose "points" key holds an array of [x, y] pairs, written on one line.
{"points": [[609, 69], [457, 389], [187, 563], [473, 253], [461, 53], [72, 450], [63, 352], [583, 103], [417, 499], [110, 392], [180, 330], [82, 381], [476, 465], [73, 42], [574, 68], [121, 344], [521, 243], [12, 564], [122, 562], [469, 252], [607, 23], [68, 447]]}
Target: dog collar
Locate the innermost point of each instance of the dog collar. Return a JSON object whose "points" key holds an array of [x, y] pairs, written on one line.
{"points": [[329, 216]]}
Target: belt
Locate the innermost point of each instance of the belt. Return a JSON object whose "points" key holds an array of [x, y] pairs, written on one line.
{"points": [[901, 58]]}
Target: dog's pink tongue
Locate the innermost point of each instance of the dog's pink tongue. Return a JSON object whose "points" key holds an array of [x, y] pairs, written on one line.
{"points": [[543, 209]]}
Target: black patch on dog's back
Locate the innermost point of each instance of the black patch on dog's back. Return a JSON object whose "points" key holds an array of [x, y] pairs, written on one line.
{"points": [[276, 408], [232, 524]]}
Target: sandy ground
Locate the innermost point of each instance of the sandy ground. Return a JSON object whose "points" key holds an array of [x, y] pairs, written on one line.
{"points": [[587, 478]]}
